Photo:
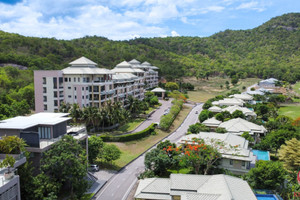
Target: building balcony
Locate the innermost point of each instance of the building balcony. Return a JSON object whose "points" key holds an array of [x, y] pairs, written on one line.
{"points": [[37, 144]]}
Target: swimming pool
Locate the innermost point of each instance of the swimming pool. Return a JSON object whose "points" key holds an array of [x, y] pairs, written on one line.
{"points": [[261, 155], [266, 197]]}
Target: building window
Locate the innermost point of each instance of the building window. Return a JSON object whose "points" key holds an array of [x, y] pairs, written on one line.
{"points": [[82, 88], [44, 80], [45, 107], [74, 79], [69, 88], [66, 79], [54, 82], [75, 88], [78, 79], [243, 163], [55, 103], [69, 79], [82, 97], [44, 132], [55, 93], [230, 162], [75, 97], [44, 90], [45, 98], [87, 96], [87, 88], [69, 96]]}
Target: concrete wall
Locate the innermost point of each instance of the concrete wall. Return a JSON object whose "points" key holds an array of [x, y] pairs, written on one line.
{"points": [[9, 132], [59, 129]]}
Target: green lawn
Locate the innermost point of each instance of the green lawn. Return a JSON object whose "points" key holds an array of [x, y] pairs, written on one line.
{"points": [[130, 126], [296, 87], [133, 149], [292, 110], [87, 196], [206, 89]]}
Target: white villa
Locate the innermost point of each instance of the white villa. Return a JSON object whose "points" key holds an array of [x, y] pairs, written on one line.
{"points": [[212, 123], [271, 82], [246, 111], [215, 109], [229, 102], [238, 160], [238, 126], [193, 187], [245, 97]]}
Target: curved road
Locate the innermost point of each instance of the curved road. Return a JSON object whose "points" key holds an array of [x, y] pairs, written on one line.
{"points": [[119, 186]]}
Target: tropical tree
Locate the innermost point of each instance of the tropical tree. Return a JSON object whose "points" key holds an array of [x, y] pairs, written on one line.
{"points": [[12, 145], [109, 153], [95, 147], [290, 155]]}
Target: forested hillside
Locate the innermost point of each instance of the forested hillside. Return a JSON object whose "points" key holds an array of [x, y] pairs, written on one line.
{"points": [[270, 50]]}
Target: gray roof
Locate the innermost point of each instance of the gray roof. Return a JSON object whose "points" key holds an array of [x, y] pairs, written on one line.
{"points": [[83, 61], [269, 81], [215, 109], [123, 64], [146, 63], [134, 62], [239, 126], [158, 90], [42, 118], [212, 122], [228, 102], [121, 77], [245, 110], [195, 187], [246, 97]]}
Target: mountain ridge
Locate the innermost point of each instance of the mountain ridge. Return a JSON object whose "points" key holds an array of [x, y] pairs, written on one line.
{"points": [[269, 50]]}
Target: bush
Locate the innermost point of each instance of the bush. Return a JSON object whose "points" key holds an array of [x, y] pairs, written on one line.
{"points": [[219, 117], [129, 137], [167, 120], [205, 114], [221, 130]]}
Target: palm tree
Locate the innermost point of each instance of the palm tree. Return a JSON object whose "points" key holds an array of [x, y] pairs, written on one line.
{"points": [[75, 112]]}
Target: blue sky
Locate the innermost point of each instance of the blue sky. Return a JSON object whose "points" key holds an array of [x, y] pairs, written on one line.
{"points": [[127, 19]]}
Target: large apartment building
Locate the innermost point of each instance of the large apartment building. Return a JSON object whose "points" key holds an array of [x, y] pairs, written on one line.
{"points": [[87, 85]]}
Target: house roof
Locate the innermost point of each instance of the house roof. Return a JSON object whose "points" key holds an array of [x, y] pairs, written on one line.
{"points": [[86, 70], [42, 118], [146, 63], [154, 67], [195, 187], [83, 61], [158, 90], [245, 110], [215, 109], [228, 102], [123, 77], [269, 81], [240, 152], [246, 97], [134, 62], [239, 126], [212, 122], [123, 64]]}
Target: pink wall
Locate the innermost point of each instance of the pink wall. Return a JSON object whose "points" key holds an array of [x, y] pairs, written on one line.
{"points": [[38, 86]]}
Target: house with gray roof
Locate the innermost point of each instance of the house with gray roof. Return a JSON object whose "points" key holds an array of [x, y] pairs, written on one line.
{"points": [[236, 155], [215, 109], [229, 102], [245, 97], [250, 114], [269, 83], [212, 123], [238, 126], [194, 187]]}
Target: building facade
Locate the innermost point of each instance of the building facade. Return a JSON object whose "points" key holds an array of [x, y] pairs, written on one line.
{"points": [[85, 84]]}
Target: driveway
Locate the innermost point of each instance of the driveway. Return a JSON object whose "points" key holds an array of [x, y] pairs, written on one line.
{"points": [[155, 117], [119, 186]]}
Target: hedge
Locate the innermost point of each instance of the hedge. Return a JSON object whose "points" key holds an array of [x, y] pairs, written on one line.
{"points": [[129, 137], [167, 120]]}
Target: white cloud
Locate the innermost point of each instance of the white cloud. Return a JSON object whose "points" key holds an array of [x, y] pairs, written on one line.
{"points": [[253, 5], [174, 34]]}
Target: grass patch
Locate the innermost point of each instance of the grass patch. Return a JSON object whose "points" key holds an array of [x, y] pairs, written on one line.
{"points": [[149, 110], [131, 150], [292, 110], [206, 89], [87, 196], [181, 171], [296, 87], [130, 126]]}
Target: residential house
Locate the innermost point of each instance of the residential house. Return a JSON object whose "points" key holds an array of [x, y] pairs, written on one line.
{"points": [[245, 97], [193, 187], [212, 123], [250, 114], [236, 155], [238, 126], [215, 109], [40, 131], [228, 102], [268, 83]]}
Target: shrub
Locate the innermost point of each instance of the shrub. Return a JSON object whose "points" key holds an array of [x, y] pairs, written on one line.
{"points": [[219, 117], [221, 130], [205, 114], [129, 137], [167, 120]]}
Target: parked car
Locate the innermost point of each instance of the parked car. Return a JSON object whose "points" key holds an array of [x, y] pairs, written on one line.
{"points": [[73, 133], [196, 112], [93, 168]]}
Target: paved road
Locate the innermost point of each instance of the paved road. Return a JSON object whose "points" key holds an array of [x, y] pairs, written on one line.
{"points": [[119, 186], [155, 117]]}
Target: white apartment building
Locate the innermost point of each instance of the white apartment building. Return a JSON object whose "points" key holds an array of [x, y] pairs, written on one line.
{"points": [[85, 84]]}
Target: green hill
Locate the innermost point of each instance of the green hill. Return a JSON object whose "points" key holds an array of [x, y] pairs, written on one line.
{"points": [[270, 50]]}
